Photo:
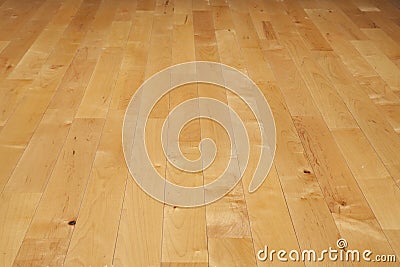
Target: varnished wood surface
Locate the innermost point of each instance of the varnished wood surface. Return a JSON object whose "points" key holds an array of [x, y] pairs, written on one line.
{"points": [[330, 71]]}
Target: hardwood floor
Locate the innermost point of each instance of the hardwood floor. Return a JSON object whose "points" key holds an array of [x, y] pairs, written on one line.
{"points": [[330, 71]]}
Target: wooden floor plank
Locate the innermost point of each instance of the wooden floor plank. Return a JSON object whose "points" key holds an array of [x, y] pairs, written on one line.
{"points": [[358, 17], [14, 15], [12, 92], [342, 193], [389, 47], [49, 229], [371, 174], [366, 114], [132, 70], [349, 55], [341, 219], [140, 229], [228, 251], [184, 230], [13, 53], [3, 45], [35, 167], [34, 103], [311, 35], [139, 208], [30, 64], [99, 214], [387, 25], [389, 72], [17, 209], [32, 173], [299, 184], [96, 101], [322, 91]]}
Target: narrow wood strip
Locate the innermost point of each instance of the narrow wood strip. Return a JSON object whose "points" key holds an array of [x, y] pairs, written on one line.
{"points": [[349, 55], [13, 53], [30, 64], [11, 94], [268, 30], [101, 206], [184, 230], [17, 209], [49, 227], [383, 66], [343, 195], [381, 135], [389, 47], [137, 245], [308, 31], [96, 101]]}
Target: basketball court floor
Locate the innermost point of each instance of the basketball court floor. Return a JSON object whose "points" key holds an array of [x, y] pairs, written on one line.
{"points": [[82, 136]]}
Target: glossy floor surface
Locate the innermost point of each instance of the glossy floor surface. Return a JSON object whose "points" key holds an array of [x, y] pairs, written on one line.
{"points": [[330, 71]]}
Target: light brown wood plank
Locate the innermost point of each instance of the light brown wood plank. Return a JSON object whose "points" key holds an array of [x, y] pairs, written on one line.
{"points": [[100, 28], [35, 167], [3, 45], [321, 89], [380, 133], [358, 17], [131, 73], [28, 115], [17, 210], [387, 25], [244, 29], [96, 101], [222, 18], [13, 53], [184, 230], [32, 173], [378, 90], [373, 179], [14, 15], [82, 21], [310, 34], [342, 193], [229, 51], [228, 251], [140, 209], [299, 184], [389, 47], [270, 226], [49, 228], [101, 207], [348, 54], [29, 66], [140, 230], [11, 92], [71, 90], [389, 72], [291, 84], [119, 33]]}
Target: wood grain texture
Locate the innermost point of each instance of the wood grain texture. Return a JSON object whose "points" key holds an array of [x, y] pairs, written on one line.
{"points": [[330, 71]]}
